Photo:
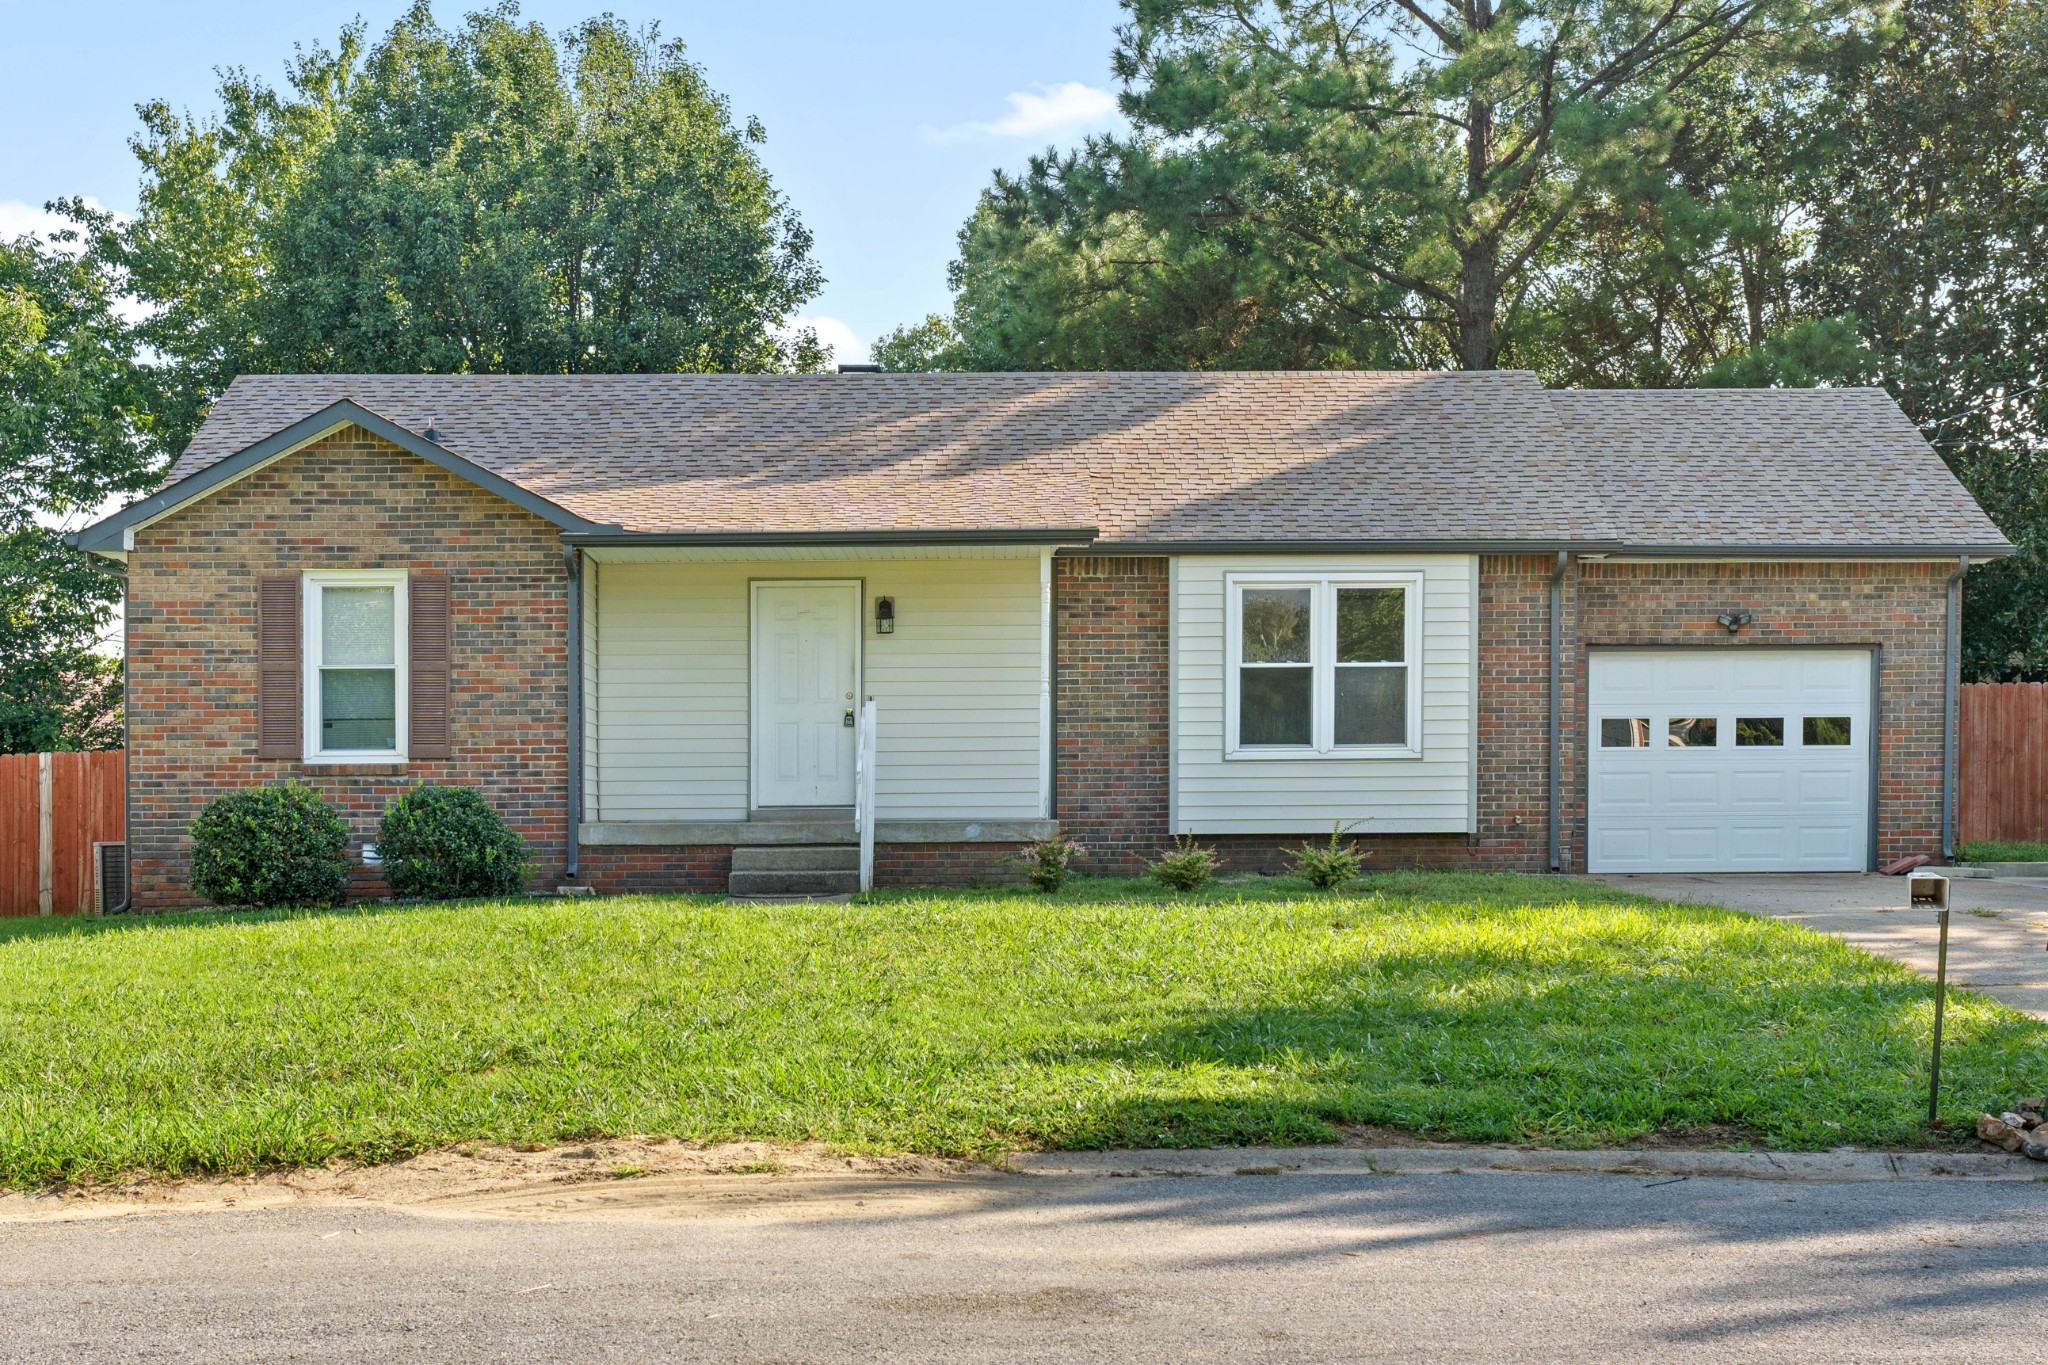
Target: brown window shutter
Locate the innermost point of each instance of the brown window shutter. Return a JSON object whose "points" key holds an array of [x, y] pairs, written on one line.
{"points": [[278, 646], [427, 617]]}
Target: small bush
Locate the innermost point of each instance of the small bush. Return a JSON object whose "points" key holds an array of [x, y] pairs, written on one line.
{"points": [[446, 843], [280, 845], [1188, 868], [1326, 868], [1047, 863]]}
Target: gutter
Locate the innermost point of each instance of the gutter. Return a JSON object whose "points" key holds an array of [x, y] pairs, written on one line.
{"points": [[1064, 535], [1994, 550], [573, 558], [1951, 689], [1301, 546], [1556, 710]]}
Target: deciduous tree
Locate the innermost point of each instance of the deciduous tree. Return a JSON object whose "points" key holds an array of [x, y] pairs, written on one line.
{"points": [[482, 199]]}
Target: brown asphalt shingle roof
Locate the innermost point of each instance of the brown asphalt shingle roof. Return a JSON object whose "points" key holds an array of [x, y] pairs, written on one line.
{"points": [[1172, 458]]}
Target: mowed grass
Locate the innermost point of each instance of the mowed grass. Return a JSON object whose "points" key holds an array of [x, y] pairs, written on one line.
{"points": [[1488, 1008], [1994, 851]]}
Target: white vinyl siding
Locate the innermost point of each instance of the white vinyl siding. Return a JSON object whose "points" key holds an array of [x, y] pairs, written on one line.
{"points": [[593, 717], [1215, 792], [957, 686]]}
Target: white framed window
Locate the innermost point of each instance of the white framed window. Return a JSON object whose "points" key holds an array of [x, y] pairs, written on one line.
{"points": [[355, 666], [1326, 666]]}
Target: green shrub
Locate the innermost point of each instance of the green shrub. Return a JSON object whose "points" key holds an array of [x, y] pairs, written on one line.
{"points": [[1329, 867], [446, 843], [1188, 868], [1047, 863], [280, 845]]}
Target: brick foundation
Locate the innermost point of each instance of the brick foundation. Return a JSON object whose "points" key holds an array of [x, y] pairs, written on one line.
{"points": [[946, 865], [616, 871]]}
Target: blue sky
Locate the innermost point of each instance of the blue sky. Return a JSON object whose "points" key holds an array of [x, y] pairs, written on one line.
{"points": [[884, 117]]}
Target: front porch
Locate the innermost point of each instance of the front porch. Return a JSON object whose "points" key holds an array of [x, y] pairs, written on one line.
{"points": [[721, 685]]}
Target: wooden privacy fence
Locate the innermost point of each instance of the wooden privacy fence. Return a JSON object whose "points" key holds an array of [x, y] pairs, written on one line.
{"points": [[2002, 762], [53, 809]]}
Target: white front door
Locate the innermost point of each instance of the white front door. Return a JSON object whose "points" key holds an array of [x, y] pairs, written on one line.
{"points": [[806, 667], [1728, 760]]}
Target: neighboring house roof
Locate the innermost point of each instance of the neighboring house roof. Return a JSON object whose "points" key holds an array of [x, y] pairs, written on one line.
{"points": [[1165, 460]]}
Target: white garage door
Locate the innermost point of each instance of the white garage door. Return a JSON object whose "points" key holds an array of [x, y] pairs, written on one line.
{"points": [[1729, 760]]}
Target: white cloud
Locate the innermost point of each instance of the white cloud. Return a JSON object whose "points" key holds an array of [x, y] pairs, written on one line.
{"points": [[847, 347], [18, 219], [1036, 112]]}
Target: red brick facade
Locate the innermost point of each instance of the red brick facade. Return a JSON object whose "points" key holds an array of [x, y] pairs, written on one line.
{"points": [[349, 502], [1111, 660], [1112, 780], [1900, 610], [353, 502]]}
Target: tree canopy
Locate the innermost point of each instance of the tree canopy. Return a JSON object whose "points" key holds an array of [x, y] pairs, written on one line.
{"points": [[1424, 182], [1930, 236], [481, 199], [76, 428]]}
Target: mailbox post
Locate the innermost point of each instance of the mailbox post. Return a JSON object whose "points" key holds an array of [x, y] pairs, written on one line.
{"points": [[1929, 890]]}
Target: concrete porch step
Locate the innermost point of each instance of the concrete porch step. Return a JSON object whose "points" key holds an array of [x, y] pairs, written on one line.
{"points": [[832, 882], [796, 858]]}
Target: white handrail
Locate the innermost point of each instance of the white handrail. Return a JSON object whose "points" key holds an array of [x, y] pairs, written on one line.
{"points": [[864, 793]]}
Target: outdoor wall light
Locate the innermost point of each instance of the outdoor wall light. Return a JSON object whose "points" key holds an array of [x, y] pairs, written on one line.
{"points": [[885, 616], [1735, 620]]}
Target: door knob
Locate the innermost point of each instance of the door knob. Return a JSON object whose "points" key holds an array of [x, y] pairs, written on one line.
{"points": [[847, 719]]}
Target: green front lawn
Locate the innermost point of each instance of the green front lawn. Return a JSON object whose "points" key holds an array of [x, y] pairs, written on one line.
{"points": [[1492, 1008], [1993, 851]]}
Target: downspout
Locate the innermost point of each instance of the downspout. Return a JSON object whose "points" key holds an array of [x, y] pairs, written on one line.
{"points": [[1556, 711], [1952, 681], [127, 775], [574, 559]]}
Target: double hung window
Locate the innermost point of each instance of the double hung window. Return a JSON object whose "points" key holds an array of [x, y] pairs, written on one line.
{"points": [[1323, 666], [355, 665]]}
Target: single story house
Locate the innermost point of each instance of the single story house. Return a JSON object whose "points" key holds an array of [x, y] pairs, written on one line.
{"points": [[1473, 621]]}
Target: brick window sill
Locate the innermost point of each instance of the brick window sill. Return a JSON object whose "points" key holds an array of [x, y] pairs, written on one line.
{"points": [[325, 769]]}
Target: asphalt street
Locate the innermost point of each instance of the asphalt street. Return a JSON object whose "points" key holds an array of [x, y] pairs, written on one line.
{"points": [[1287, 1267]]}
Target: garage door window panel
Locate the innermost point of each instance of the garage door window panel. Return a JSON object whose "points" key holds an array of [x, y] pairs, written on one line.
{"points": [[1693, 732], [1826, 732], [1625, 732], [1760, 732]]}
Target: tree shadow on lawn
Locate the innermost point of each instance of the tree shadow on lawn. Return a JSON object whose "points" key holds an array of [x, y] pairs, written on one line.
{"points": [[1501, 1045]]}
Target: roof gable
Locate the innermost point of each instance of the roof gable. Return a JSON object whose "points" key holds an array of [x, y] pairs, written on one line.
{"points": [[113, 534]]}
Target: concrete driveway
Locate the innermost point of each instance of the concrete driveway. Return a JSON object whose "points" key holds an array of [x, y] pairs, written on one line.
{"points": [[1998, 929]]}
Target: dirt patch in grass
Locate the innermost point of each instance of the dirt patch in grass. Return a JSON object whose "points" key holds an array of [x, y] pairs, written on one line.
{"points": [[1704, 1137], [482, 1179], [1376, 1135]]}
